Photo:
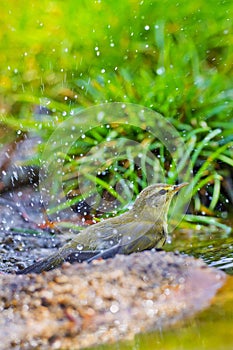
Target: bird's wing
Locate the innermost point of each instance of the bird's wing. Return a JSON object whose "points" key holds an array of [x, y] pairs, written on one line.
{"points": [[114, 234], [138, 241]]}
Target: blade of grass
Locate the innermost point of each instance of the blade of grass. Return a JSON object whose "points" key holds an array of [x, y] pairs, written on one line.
{"points": [[208, 221], [216, 191]]}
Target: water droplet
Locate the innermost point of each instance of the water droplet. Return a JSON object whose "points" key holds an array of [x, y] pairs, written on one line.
{"points": [[114, 308], [160, 71]]}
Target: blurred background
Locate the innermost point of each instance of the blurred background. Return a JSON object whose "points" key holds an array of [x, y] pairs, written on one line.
{"points": [[58, 58]]}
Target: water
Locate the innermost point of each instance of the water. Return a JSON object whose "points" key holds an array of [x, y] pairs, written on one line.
{"points": [[216, 248]]}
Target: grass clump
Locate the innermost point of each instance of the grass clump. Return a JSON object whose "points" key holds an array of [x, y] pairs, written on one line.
{"points": [[175, 58]]}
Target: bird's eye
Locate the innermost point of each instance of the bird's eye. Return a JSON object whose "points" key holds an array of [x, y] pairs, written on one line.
{"points": [[162, 191]]}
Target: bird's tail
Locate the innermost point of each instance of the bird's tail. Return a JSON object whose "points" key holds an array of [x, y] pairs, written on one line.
{"points": [[65, 253], [46, 264]]}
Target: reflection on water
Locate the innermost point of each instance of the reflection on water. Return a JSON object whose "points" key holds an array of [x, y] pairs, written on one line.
{"points": [[216, 249], [225, 263]]}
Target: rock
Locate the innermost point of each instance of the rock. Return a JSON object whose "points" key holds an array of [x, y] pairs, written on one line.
{"points": [[82, 305]]}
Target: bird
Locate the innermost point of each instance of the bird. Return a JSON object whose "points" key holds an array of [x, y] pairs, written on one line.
{"points": [[143, 227]]}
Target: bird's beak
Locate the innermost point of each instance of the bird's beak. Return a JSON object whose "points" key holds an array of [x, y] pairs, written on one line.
{"points": [[176, 188]]}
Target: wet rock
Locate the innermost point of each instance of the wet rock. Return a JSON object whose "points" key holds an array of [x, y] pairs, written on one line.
{"points": [[81, 305], [18, 250]]}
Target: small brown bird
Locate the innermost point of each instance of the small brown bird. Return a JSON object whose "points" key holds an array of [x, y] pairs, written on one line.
{"points": [[142, 227]]}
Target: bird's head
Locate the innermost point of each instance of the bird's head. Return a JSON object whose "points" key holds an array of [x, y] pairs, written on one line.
{"points": [[153, 202]]}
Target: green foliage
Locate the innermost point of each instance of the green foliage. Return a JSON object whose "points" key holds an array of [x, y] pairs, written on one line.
{"points": [[173, 57]]}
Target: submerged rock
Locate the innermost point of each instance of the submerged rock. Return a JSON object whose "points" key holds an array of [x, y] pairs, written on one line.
{"points": [[82, 305]]}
